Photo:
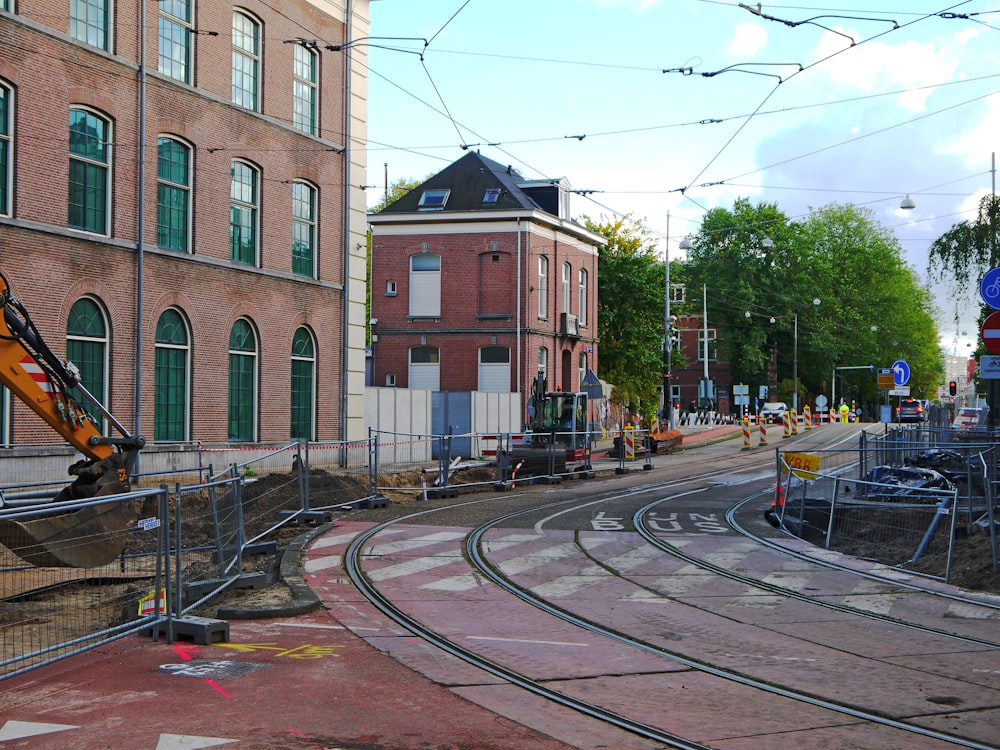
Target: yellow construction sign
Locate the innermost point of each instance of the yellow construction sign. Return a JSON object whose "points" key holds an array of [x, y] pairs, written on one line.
{"points": [[802, 465]]}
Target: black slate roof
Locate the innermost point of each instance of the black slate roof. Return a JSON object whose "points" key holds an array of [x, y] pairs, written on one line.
{"points": [[469, 179]]}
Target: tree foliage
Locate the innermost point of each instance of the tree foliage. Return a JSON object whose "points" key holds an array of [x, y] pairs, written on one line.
{"points": [[965, 252], [630, 312], [754, 260]]}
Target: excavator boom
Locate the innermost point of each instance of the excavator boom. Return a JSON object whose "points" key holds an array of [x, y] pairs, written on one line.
{"points": [[36, 376]]}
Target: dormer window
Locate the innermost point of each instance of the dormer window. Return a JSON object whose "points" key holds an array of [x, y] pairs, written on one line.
{"points": [[491, 197], [433, 200]]}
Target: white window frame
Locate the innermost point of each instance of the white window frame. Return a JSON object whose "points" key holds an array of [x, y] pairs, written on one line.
{"points": [[256, 57], [713, 349], [188, 28], [582, 313], [543, 287], [567, 274], [425, 288], [305, 91]]}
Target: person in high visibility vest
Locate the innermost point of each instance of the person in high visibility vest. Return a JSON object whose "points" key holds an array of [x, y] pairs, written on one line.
{"points": [[845, 410]]}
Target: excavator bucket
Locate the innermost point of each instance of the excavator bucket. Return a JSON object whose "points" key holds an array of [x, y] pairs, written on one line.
{"points": [[85, 538]]}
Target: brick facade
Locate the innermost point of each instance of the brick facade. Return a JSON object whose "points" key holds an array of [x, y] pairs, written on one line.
{"points": [[50, 266], [490, 292]]}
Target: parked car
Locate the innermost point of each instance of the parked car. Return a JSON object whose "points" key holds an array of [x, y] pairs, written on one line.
{"points": [[773, 411], [911, 410]]}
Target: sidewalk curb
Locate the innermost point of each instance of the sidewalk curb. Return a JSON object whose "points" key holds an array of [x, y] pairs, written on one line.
{"points": [[304, 600]]}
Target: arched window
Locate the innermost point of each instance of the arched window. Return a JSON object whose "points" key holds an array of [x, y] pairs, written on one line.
{"points": [[176, 29], [173, 194], [6, 148], [87, 348], [171, 390], [303, 386], [303, 229], [89, 22], [242, 381], [89, 172], [246, 61], [243, 211], [304, 89]]}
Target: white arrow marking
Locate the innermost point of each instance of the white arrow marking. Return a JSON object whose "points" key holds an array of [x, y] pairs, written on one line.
{"points": [[186, 742], [15, 730]]}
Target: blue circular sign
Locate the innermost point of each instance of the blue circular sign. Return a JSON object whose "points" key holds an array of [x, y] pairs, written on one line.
{"points": [[989, 288], [900, 372]]}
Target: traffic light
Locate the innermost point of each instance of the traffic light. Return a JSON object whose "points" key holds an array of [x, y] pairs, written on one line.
{"points": [[952, 387]]}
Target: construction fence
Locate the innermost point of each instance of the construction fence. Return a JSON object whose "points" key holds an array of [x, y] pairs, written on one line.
{"points": [[900, 499], [78, 574]]}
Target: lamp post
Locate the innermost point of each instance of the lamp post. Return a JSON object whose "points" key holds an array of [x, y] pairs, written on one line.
{"points": [[795, 354], [795, 360], [668, 343]]}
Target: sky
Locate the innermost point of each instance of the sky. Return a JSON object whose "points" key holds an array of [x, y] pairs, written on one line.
{"points": [[657, 108]]}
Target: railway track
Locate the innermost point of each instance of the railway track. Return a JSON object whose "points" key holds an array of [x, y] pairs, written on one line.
{"points": [[653, 619]]}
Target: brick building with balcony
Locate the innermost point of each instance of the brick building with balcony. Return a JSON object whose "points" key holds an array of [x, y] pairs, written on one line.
{"points": [[173, 210], [480, 279]]}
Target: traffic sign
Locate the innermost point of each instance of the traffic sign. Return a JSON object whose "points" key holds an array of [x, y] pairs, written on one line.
{"points": [[821, 401], [989, 288], [885, 380], [990, 333], [903, 390], [901, 371], [989, 367]]}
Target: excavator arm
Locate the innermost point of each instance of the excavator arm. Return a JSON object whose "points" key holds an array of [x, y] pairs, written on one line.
{"points": [[44, 382]]}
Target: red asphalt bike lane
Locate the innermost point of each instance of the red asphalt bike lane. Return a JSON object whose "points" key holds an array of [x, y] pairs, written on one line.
{"points": [[302, 682]]}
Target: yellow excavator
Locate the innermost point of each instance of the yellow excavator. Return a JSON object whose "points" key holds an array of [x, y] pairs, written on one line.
{"points": [[92, 535]]}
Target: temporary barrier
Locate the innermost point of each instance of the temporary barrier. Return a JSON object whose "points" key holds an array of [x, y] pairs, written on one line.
{"points": [[795, 422], [763, 432], [807, 421], [786, 423], [746, 434]]}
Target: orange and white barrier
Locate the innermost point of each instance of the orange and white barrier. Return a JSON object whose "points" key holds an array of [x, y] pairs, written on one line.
{"points": [[786, 423], [807, 420], [746, 434], [763, 432]]}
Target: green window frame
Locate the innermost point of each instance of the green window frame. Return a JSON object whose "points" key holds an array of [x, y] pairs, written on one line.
{"points": [[304, 90], [173, 194], [303, 390], [175, 39], [242, 381], [88, 22], [303, 229], [246, 61], [4, 416], [89, 148], [171, 373], [87, 348], [6, 145], [243, 213]]}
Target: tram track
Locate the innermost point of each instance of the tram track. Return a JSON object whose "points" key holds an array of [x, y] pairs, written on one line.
{"points": [[473, 549]]}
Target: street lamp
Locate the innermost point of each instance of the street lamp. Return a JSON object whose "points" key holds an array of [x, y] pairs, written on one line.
{"points": [[795, 355], [795, 361]]}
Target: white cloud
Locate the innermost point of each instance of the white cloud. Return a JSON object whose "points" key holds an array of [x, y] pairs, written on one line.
{"points": [[748, 39]]}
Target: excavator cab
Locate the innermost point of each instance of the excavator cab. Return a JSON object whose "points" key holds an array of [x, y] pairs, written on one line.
{"points": [[95, 534]]}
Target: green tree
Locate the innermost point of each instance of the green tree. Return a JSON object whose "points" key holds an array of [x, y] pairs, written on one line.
{"points": [[630, 308], [753, 260]]}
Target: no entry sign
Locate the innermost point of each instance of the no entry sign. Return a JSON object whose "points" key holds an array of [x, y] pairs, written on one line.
{"points": [[991, 333]]}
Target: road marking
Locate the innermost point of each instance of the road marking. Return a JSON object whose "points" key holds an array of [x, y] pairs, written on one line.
{"points": [[189, 742], [15, 730]]}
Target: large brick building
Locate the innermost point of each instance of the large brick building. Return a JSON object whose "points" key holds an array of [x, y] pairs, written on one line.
{"points": [[222, 135], [480, 279]]}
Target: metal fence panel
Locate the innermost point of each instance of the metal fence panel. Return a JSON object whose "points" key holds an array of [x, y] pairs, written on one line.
{"points": [[49, 611]]}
